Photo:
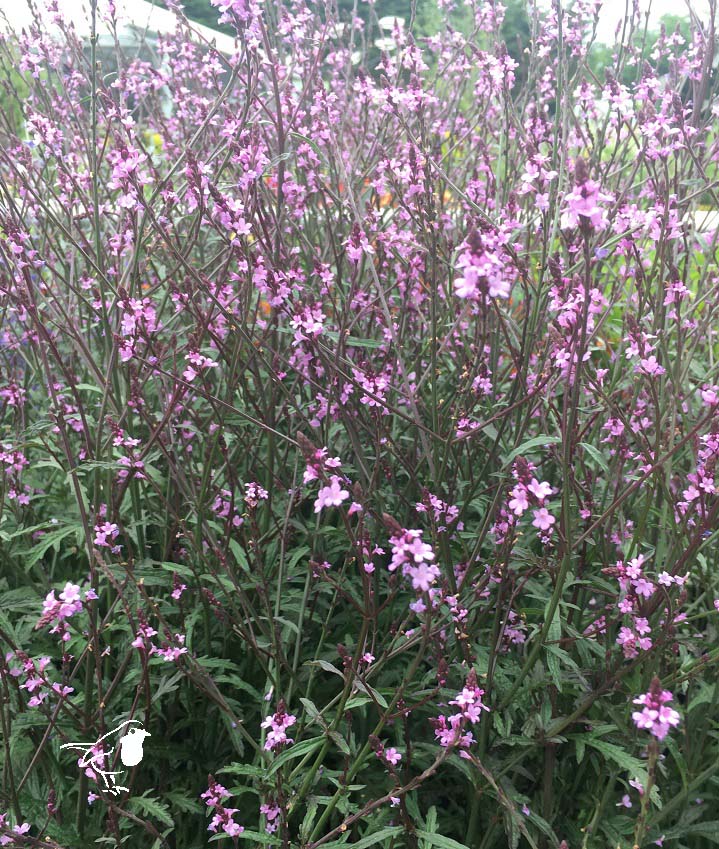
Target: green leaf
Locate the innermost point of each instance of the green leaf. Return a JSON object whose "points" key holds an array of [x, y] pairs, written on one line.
{"points": [[251, 835], [440, 840], [168, 684], [355, 701], [182, 571], [314, 712], [340, 742], [50, 540], [377, 837], [239, 555], [596, 455], [244, 769], [309, 819], [153, 807], [297, 750], [430, 823], [370, 691], [635, 767], [182, 803], [527, 446], [554, 635], [354, 341], [709, 830], [326, 665]]}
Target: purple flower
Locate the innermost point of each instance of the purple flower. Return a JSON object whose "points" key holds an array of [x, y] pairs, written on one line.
{"points": [[278, 723], [543, 519], [583, 206], [655, 716], [332, 495]]}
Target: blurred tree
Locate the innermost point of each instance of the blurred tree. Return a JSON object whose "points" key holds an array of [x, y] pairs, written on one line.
{"points": [[601, 55], [426, 20], [517, 32], [201, 11]]}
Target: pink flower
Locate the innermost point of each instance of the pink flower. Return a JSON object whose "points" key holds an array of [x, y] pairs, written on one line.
{"points": [[543, 519], [519, 502], [655, 716], [415, 559], [649, 365], [278, 723], [393, 756], [332, 495], [540, 490], [643, 587], [102, 532], [583, 202]]}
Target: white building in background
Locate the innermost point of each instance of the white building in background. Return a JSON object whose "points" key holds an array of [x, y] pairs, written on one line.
{"points": [[138, 22], [135, 28]]}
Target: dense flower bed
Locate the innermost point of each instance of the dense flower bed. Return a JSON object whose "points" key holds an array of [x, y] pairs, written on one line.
{"points": [[358, 433]]}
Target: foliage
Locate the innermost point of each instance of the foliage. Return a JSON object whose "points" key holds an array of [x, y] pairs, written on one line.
{"points": [[358, 436]]}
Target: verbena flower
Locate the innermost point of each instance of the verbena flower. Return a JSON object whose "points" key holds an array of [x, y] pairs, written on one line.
{"points": [[655, 716]]}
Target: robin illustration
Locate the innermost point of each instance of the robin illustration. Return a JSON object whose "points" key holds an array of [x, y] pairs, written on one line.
{"points": [[97, 761], [131, 746]]}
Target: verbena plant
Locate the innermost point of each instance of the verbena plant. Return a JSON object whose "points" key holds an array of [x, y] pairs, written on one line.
{"points": [[358, 436]]}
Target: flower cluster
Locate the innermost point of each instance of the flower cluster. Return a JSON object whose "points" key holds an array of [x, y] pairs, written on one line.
{"points": [[58, 610], [414, 557], [6, 839], [223, 818], [271, 812], [278, 723], [451, 731], [331, 495], [34, 678], [254, 493], [655, 716], [528, 490], [486, 268], [583, 202]]}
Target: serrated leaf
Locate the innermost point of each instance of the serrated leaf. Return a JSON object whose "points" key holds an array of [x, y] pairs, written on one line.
{"points": [[183, 803], [244, 769], [635, 767], [309, 818], [153, 808], [49, 540], [239, 554], [357, 701], [554, 635], [182, 571], [709, 830]]}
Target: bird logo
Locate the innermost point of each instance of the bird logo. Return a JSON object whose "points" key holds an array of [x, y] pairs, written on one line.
{"points": [[98, 760], [131, 746]]}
